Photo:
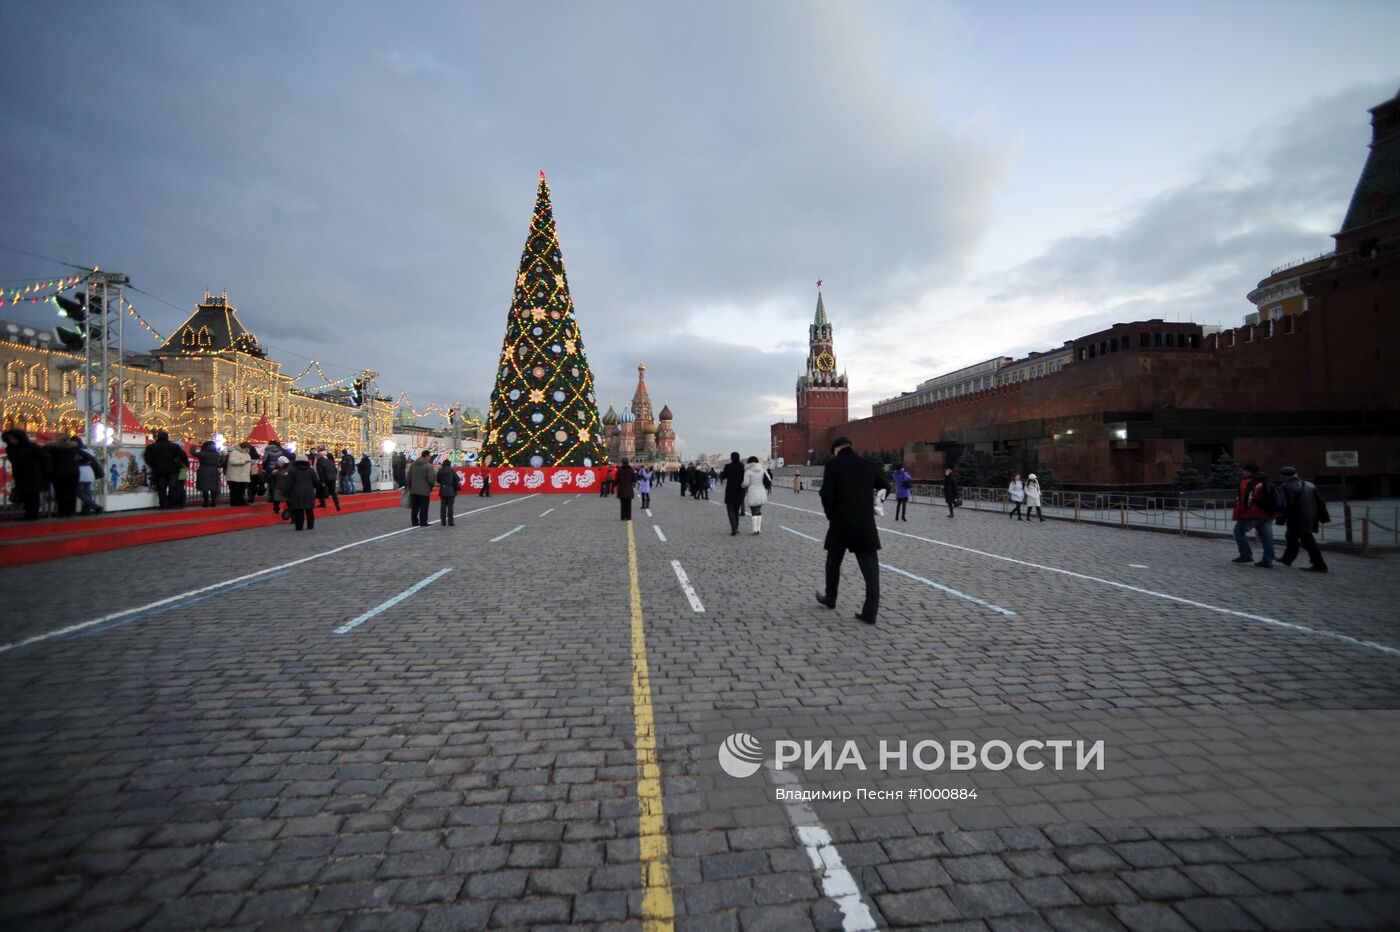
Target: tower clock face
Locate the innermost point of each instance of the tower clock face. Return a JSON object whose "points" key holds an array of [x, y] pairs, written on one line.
{"points": [[826, 362]]}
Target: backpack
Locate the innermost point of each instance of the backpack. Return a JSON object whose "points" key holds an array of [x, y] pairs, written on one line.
{"points": [[1274, 498]]}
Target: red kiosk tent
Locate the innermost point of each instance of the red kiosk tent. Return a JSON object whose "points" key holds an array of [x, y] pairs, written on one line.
{"points": [[130, 423], [263, 433]]}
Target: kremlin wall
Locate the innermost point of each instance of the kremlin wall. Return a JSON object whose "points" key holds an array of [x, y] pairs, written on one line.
{"points": [[1312, 373]]}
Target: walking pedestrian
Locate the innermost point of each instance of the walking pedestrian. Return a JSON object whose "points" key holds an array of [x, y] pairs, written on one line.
{"points": [[278, 481], [847, 485], [1017, 491], [28, 471], [165, 459], [1253, 513], [448, 483], [1033, 498], [485, 484], [238, 463], [206, 480], [1306, 512], [644, 478], [399, 466], [62, 454], [683, 480], [903, 488], [733, 479], [326, 476], [624, 481], [421, 479], [347, 472], [87, 475], [797, 482], [950, 491], [365, 467], [757, 482], [301, 482], [256, 480]]}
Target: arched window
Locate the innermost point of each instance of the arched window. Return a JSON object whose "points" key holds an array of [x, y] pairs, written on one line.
{"points": [[164, 399], [187, 337], [205, 337], [38, 380], [14, 375], [128, 393], [150, 396]]}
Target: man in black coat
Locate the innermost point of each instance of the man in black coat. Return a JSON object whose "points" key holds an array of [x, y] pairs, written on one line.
{"points": [[165, 459], [1306, 511], [733, 479], [625, 483], [365, 466], [326, 475], [848, 492], [28, 467], [950, 490]]}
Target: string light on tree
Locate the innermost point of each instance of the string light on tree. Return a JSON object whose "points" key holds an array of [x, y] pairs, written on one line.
{"points": [[543, 411]]}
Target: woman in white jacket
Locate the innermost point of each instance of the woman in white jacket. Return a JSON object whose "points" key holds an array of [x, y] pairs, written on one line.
{"points": [[1033, 497], [756, 479], [238, 471], [1017, 492]]}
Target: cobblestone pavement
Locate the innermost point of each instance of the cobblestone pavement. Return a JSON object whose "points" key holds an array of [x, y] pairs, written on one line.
{"points": [[467, 758]]}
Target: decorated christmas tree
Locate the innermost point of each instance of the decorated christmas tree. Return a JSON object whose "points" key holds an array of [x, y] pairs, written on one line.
{"points": [[543, 412]]}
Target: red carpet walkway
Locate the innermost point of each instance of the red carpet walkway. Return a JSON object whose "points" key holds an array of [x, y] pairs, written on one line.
{"points": [[34, 542]]}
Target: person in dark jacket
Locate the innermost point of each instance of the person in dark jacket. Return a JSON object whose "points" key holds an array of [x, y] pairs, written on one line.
{"points": [[399, 465], [347, 473], [485, 484], [301, 481], [28, 467], [624, 480], [165, 459], [365, 467], [683, 480], [733, 479], [848, 488], [421, 479], [326, 475], [62, 454], [88, 470], [1306, 512], [448, 483], [206, 480], [950, 490]]}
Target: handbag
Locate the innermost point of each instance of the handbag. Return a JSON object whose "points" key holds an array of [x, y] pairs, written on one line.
{"points": [[404, 499]]}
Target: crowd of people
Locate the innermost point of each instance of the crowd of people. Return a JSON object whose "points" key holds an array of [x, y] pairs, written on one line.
{"points": [[64, 468], [251, 474]]}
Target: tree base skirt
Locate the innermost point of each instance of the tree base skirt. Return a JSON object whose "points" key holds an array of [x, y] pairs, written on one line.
{"points": [[532, 480]]}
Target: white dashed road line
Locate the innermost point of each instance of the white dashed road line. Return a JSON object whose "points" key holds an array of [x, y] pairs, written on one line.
{"points": [[501, 537], [545, 512], [657, 529], [689, 590], [229, 582], [927, 582], [837, 882], [358, 620], [1166, 596]]}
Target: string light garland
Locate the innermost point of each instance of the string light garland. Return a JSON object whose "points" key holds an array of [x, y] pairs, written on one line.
{"points": [[543, 411], [30, 293]]}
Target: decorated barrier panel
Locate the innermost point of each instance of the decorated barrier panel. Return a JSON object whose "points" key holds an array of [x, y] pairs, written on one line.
{"points": [[528, 480]]}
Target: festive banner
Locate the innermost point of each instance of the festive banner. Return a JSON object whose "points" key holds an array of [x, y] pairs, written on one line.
{"points": [[525, 480]]}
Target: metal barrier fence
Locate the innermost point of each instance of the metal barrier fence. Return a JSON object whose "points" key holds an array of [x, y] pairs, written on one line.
{"points": [[1358, 524]]}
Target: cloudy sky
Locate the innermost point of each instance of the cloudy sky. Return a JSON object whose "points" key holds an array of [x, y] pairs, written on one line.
{"points": [[969, 179]]}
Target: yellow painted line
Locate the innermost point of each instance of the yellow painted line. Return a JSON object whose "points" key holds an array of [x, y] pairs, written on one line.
{"points": [[658, 907]]}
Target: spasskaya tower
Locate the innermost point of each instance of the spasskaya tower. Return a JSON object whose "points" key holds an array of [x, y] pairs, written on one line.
{"points": [[821, 397]]}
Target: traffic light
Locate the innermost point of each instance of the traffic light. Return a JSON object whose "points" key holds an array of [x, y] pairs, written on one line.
{"points": [[357, 392], [452, 414]]}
